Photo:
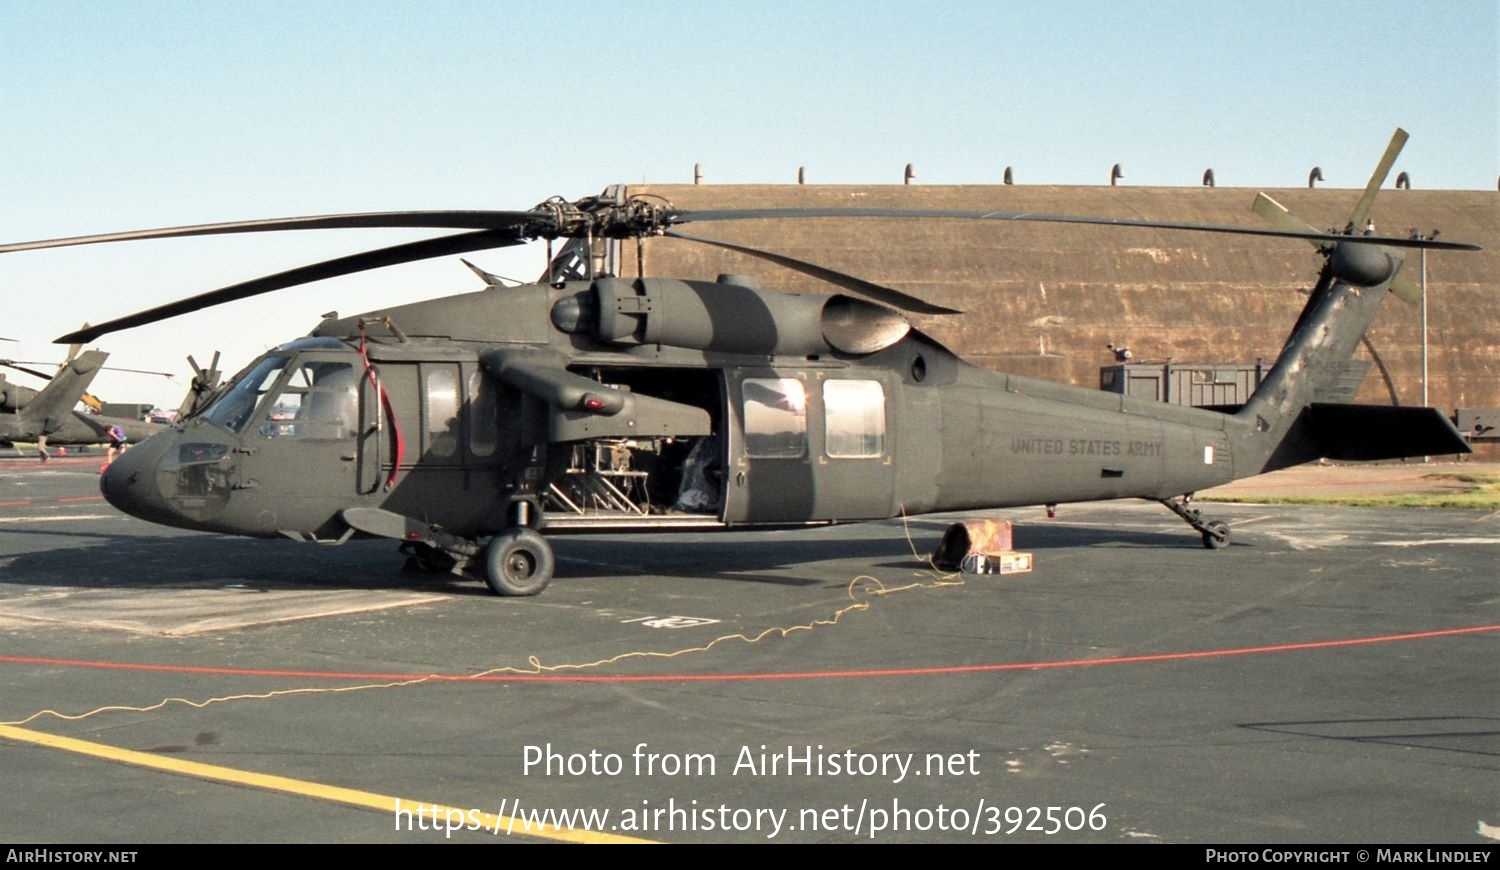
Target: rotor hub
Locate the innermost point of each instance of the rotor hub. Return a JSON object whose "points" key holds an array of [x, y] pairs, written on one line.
{"points": [[596, 217]]}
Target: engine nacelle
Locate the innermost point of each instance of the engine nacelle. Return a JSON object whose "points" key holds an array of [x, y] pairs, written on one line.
{"points": [[728, 316]]}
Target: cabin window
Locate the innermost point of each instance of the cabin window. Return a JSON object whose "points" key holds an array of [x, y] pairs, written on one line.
{"points": [[854, 412], [775, 417], [442, 410], [319, 401], [483, 433]]}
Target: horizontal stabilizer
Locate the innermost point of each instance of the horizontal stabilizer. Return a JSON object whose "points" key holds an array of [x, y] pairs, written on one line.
{"points": [[1366, 432]]}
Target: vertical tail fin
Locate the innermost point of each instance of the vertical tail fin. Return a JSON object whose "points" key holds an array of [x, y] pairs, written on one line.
{"points": [[54, 403], [1285, 426], [1325, 337]]}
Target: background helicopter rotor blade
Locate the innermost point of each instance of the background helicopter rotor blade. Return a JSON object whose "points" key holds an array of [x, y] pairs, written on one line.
{"points": [[21, 366], [76, 348], [209, 374], [202, 387], [396, 254], [680, 217], [168, 375], [858, 286], [470, 220]]}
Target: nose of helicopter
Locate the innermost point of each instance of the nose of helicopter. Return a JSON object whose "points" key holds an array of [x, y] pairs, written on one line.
{"points": [[130, 482]]}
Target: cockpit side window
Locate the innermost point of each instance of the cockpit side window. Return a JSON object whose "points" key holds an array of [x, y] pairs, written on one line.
{"points": [[319, 400]]}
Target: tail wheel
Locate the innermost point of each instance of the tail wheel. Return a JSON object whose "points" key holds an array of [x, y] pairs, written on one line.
{"points": [[1216, 535], [519, 562]]}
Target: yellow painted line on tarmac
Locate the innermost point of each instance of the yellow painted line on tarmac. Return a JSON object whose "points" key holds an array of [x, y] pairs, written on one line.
{"points": [[436, 816]]}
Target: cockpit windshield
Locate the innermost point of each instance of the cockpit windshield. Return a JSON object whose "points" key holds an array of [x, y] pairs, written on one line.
{"points": [[235, 407], [316, 398]]}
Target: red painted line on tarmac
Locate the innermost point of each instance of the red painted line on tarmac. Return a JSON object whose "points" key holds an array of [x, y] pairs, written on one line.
{"points": [[726, 678], [22, 502]]}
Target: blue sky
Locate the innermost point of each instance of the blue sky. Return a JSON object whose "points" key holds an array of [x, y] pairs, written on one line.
{"points": [[128, 115]]}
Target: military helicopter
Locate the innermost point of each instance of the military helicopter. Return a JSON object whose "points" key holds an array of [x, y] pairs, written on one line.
{"points": [[471, 426], [49, 416]]}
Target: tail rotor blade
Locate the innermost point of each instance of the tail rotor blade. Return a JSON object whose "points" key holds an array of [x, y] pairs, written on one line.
{"points": [[1276, 214], [1405, 290], [1362, 211]]}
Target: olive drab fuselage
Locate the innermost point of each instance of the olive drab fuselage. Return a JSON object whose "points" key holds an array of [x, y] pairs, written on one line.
{"points": [[481, 416]]}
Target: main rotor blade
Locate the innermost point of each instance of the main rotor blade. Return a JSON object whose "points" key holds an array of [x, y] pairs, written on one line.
{"points": [[405, 253], [1377, 178], [883, 295], [474, 220], [681, 217]]}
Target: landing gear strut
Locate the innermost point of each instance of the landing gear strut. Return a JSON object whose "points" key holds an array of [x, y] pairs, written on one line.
{"points": [[428, 559], [518, 562], [1215, 533]]}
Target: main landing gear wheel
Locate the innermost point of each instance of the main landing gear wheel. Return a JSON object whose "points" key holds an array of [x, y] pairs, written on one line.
{"points": [[518, 562], [1216, 535]]}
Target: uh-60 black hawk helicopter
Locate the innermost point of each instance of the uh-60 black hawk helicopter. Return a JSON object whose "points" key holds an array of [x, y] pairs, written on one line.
{"points": [[582, 405]]}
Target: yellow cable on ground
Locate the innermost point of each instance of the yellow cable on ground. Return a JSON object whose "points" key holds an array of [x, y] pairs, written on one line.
{"points": [[872, 587]]}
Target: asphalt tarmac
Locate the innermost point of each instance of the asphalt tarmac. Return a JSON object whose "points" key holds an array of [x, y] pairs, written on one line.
{"points": [[1328, 678]]}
